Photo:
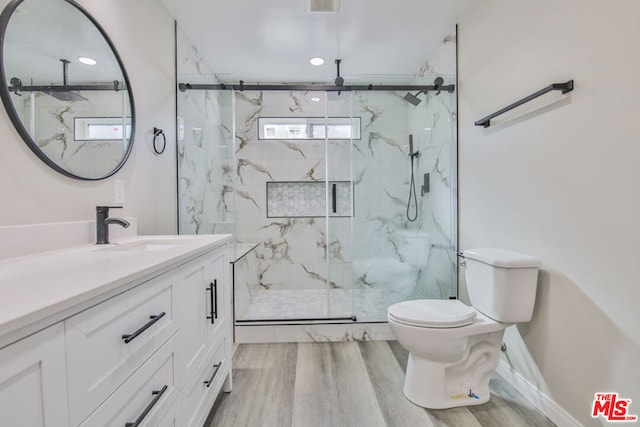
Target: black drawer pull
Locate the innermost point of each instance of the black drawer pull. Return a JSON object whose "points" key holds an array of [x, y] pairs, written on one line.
{"points": [[128, 338], [158, 394], [215, 372], [213, 287]]}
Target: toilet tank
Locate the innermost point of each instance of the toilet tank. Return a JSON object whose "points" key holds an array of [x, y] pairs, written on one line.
{"points": [[501, 283], [413, 247]]}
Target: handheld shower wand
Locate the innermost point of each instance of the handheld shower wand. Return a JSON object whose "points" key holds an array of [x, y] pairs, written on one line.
{"points": [[412, 184], [412, 153]]}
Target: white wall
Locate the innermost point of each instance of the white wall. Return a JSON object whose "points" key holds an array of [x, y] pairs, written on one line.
{"points": [[560, 182], [143, 33]]}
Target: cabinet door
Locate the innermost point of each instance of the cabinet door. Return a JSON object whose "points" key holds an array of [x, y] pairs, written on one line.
{"points": [[32, 381], [203, 306], [217, 304], [192, 315], [173, 417]]}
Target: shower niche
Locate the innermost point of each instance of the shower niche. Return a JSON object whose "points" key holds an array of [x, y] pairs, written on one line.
{"points": [[304, 199]]}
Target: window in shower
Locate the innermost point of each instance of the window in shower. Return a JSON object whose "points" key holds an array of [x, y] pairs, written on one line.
{"points": [[332, 128]]}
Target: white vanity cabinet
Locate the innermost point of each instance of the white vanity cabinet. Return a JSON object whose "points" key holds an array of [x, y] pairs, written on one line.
{"points": [[205, 305], [156, 354], [100, 358], [33, 381]]}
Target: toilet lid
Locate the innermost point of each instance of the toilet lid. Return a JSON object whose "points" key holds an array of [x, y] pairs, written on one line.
{"points": [[433, 313]]}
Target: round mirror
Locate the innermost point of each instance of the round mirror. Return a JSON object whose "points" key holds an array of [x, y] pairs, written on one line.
{"points": [[65, 88]]}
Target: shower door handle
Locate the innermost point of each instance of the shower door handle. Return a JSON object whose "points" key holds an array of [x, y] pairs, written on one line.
{"points": [[333, 198]]}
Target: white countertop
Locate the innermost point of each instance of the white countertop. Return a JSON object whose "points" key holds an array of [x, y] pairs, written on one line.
{"points": [[37, 287]]}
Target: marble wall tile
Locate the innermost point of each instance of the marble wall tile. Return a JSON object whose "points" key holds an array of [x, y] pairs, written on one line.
{"points": [[205, 149], [245, 271], [55, 124], [433, 128], [314, 333]]}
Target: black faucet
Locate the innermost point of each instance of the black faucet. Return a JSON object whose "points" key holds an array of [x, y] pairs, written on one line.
{"points": [[103, 221]]}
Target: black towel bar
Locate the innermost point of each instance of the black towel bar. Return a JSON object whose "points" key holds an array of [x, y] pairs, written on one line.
{"points": [[564, 87]]}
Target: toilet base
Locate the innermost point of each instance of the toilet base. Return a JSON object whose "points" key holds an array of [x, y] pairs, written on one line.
{"points": [[438, 385]]}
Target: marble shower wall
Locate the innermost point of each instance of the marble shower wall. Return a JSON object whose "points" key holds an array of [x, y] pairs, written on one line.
{"points": [[387, 263], [373, 263], [292, 254], [433, 127], [205, 148], [436, 127]]}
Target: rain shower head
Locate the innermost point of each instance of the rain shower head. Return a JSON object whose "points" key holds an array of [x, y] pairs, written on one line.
{"points": [[413, 99], [65, 95]]}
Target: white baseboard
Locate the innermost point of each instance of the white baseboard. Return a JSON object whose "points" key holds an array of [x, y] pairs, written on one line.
{"points": [[541, 401]]}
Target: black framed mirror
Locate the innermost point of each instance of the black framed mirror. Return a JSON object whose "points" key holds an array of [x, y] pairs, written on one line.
{"points": [[65, 88]]}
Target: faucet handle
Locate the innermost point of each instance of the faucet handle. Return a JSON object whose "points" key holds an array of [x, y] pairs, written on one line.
{"points": [[106, 208]]}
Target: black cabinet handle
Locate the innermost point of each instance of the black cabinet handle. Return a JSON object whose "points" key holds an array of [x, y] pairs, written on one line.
{"points": [[130, 337], [158, 395], [215, 299], [333, 198], [215, 372], [213, 287]]}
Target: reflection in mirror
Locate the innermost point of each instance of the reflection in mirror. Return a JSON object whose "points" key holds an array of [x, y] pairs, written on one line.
{"points": [[65, 88]]}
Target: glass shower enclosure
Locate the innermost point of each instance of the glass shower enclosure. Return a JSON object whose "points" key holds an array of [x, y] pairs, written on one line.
{"points": [[316, 187]]}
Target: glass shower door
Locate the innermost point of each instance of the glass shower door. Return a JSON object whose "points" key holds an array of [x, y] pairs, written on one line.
{"points": [[340, 130], [394, 256]]}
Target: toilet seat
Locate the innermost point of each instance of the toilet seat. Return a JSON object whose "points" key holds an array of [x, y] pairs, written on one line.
{"points": [[428, 313]]}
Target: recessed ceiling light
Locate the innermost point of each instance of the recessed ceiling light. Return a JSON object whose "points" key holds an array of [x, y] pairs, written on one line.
{"points": [[87, 61], [316, 60], [315, 99], [323, 6]]}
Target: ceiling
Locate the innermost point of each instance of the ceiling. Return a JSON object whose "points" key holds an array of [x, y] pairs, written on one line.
{"points": [[40, 33], [271, 41]]}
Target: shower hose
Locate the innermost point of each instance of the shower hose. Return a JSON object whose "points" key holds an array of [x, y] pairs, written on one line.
{"points": [[412, 193]]}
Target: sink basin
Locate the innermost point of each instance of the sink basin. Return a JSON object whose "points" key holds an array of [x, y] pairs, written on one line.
{"points": [[147, 245]]}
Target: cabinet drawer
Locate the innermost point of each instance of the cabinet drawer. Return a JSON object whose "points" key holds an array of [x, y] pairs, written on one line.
{"points": [[146, 397], [99, 358], [202, 388]]}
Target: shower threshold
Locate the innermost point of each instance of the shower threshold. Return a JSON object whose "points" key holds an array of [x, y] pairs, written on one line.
{"points": [[301, 321]]}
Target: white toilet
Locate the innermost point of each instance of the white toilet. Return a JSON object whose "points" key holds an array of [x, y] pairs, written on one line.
{"points": [[454, 349]]}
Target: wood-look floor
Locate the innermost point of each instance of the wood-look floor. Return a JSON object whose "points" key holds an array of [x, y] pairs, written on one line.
{"points": [[346, 384]]}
